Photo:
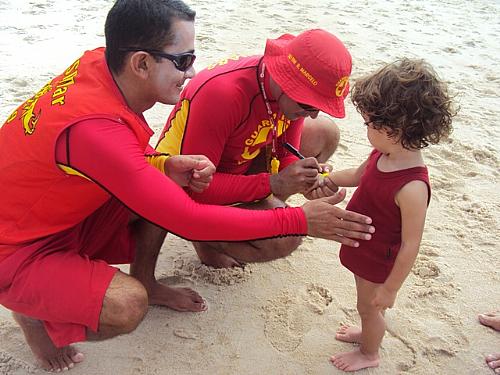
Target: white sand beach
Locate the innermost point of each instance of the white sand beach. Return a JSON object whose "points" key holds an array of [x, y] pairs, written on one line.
{"points": [[281, 317]]}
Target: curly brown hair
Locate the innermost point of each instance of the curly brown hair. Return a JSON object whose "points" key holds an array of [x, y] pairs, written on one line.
{"points": [[407, 99]]}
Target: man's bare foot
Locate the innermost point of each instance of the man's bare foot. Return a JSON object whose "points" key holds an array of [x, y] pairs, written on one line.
{"points": [[214, 258], [491, 319], [48, 356], [493, 361], [179, 299], [355, 360], [349, 334]]}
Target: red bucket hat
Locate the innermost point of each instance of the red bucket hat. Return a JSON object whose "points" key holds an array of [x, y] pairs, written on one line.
{"points": [[311, 68]]}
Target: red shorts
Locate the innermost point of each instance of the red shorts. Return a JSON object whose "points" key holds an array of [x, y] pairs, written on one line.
{"points": [[61, 279]]}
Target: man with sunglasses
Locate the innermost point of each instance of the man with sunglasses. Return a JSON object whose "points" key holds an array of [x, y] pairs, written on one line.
{"points": [[241, 112], [82, 189]]}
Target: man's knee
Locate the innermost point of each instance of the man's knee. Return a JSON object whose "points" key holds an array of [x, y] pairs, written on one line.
{"points": [[125, 305], [281, 247], [134, 308], [320, 138]]}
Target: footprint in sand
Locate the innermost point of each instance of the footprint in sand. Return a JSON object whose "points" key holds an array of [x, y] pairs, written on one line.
{"points": [[285, 322], [425, 268], [187, 333], [486, 157], [448, 343], [407, 353], [287, 317], [318, 298], [11, 365], [427, 290], [428, 249]]}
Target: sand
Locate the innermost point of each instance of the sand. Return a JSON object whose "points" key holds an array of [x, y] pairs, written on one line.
{"points": [[281, 317]]}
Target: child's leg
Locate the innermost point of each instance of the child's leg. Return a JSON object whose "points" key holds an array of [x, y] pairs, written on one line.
{"points": [[349, 334], [371, 333]]}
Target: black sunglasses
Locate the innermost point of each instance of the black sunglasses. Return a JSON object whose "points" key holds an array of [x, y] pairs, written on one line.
{"points": [[307, 107], [182, 61]]}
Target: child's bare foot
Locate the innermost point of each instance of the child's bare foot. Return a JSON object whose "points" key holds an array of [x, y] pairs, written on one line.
{"points": [[349, 334], [48, 356], [493, 361], [355, 360], [491, 319]]}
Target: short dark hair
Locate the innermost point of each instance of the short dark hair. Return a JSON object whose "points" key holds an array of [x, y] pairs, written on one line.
{"points": [[141, 23], [409, 100]]}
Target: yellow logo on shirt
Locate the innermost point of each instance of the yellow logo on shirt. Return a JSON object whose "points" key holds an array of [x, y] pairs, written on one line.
{"points": [[30, 116], [261, 136], [224, 61]]}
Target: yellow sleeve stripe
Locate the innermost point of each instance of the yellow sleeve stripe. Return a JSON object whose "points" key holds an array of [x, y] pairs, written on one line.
{"points": [[158, 161], [71, 171], [172, 139]]}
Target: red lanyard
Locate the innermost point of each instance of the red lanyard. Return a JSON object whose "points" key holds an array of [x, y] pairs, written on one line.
{"points": [[275, 163]]}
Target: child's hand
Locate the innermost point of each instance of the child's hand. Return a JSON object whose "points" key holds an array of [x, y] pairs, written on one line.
{"points": [[384, 298], [324, 187], [325, 169]]}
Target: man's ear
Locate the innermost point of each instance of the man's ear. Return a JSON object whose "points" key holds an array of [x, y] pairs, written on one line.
{"points": [[140, 64]]}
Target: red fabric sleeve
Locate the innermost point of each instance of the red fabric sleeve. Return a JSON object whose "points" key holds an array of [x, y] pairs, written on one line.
{"points": [[242, 188], [151, 151], [92, 150]]}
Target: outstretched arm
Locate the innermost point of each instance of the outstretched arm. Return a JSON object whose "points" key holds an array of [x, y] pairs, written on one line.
{"points": [[91, 150], [348, 177], [412, 200], [329, 185]]}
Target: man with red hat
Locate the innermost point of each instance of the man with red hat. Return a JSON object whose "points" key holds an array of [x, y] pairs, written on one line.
{"points": [[244, 113]]}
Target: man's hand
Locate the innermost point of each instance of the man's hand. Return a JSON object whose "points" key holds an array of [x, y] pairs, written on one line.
{"points": [[324, 187], [325, 220], [192, 171], [298, 177]]}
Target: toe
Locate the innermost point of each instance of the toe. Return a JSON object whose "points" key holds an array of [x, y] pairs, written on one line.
{"points": [[54, 366], [491, 357], [46, 365], [77, 357], [342, 329], [66, 362], [199, 306], [196, 297], [61, 363], [486, 320]]}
